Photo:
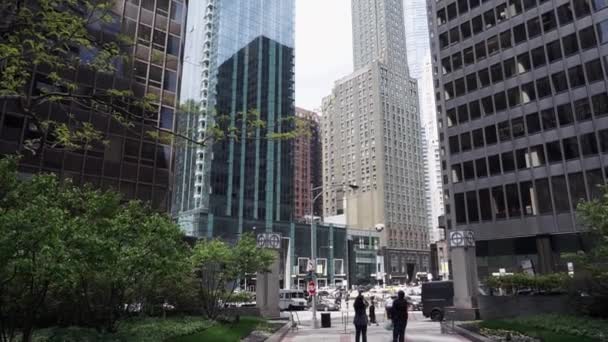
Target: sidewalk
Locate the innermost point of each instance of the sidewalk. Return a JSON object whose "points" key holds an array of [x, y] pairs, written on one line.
{"points": [[418, 329]]}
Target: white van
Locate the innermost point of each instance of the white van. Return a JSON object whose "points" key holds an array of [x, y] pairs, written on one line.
{"points": [[292, 300]]}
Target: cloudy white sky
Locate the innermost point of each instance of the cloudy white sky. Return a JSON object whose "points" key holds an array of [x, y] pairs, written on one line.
{"points": [[323, 48]]}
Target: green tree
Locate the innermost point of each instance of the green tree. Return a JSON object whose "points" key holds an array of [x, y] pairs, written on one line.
{"points": [[594, 215], [221, 265], [79, 255]]}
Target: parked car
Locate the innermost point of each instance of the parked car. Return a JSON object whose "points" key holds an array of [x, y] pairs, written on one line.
{"points": [[325, 305], [436, 296]]}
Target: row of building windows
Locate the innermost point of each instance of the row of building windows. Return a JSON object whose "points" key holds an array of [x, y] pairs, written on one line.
{"points": [[558, 82], [558, 194], [524, 63], [565, 13], [547, 119], [508, 39], [557, 151]]}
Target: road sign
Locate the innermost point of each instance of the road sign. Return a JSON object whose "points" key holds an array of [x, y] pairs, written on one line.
{"points": [[311, 265], [269, 240], [312, 289]]}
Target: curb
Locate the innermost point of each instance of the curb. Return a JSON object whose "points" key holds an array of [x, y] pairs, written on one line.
{"points": [[464, 333], [278, 336]]}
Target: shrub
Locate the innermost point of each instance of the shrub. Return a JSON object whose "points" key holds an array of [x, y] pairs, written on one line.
{"points": [[549, 282]]}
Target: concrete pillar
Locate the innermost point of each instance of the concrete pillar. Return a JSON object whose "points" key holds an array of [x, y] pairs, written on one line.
{"points": [[267, 290], [464, 265], [545, 254]]}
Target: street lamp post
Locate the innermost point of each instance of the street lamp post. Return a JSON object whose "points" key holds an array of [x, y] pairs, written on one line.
{"points": [[312, 245]]}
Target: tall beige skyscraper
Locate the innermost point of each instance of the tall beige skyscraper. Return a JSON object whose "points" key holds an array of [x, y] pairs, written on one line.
{"points": [[372, 137]]}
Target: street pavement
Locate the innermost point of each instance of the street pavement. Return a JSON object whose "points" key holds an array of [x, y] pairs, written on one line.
{"points": [[419, 328]]}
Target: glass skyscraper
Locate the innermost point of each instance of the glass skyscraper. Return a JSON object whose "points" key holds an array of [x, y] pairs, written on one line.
{"points": [[239, 58]]}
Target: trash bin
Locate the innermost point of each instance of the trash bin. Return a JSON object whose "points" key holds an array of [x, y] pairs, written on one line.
{"points": [[326, 320]]}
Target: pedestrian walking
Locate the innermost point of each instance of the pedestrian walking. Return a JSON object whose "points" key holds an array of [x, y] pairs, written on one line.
{"points": [[372, 311], [399, 317], [360, 320]]}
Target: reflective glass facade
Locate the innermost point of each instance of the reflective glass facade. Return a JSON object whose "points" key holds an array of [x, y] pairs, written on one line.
{"points": [[244, 53], [132, 162]]}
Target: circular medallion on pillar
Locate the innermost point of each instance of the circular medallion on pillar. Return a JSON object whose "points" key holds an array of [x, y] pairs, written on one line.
{"points": [[462, 239]]}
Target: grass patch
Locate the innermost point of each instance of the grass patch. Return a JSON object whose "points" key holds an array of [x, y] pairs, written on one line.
{"points": [[227, 332], [137, 330], [539, 333]]}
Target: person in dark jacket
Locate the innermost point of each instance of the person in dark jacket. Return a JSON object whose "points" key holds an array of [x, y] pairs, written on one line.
{"points": [[360, 320], [372, 311], [399, 317]]}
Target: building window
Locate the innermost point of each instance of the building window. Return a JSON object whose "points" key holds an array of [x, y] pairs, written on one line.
{"points": [[576, 76], [481, 168], [544, 196], [494, 163], [578, 192], [454, 146], [600, 104], [599, 4], [485, 205], [456, 173], [560, 193], [465, 141], [594, 181], [554, 51], [565, 15], [538, 57], [587, 38], [548, 119], [549, 21], [461, 216], [536, 156], [527, 194], [554, 152], [478, 138], [498, 202], [602, 29], [564, 114], [472, 206], [532, 123], [559, 81], [468, 170], [513, 200], [582, 108], [508, 162], [570, 148], [491, 136]]}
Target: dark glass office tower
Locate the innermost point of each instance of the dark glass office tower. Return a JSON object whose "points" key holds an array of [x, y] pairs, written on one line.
{"points": [[132, 161], [523, 115], [243, 56]]}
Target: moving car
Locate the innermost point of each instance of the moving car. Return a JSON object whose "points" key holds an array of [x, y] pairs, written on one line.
{"points": [[292, 300], [436, 296]]}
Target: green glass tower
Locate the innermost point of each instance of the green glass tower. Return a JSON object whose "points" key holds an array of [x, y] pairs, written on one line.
{"points": [[239, 58]]}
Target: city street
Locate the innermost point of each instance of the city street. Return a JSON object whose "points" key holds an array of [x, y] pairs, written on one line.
{"points": [[419, 328]]}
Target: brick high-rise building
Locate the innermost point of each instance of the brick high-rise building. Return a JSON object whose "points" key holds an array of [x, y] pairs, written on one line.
{"points": [[523, 100], [307, 166]]}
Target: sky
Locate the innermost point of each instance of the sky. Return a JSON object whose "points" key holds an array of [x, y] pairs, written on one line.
{"points": [[323, 48]]}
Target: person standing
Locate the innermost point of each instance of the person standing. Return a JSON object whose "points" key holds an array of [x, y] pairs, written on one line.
{"points": [[372, 311], [360, 320], [399, 317]]}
